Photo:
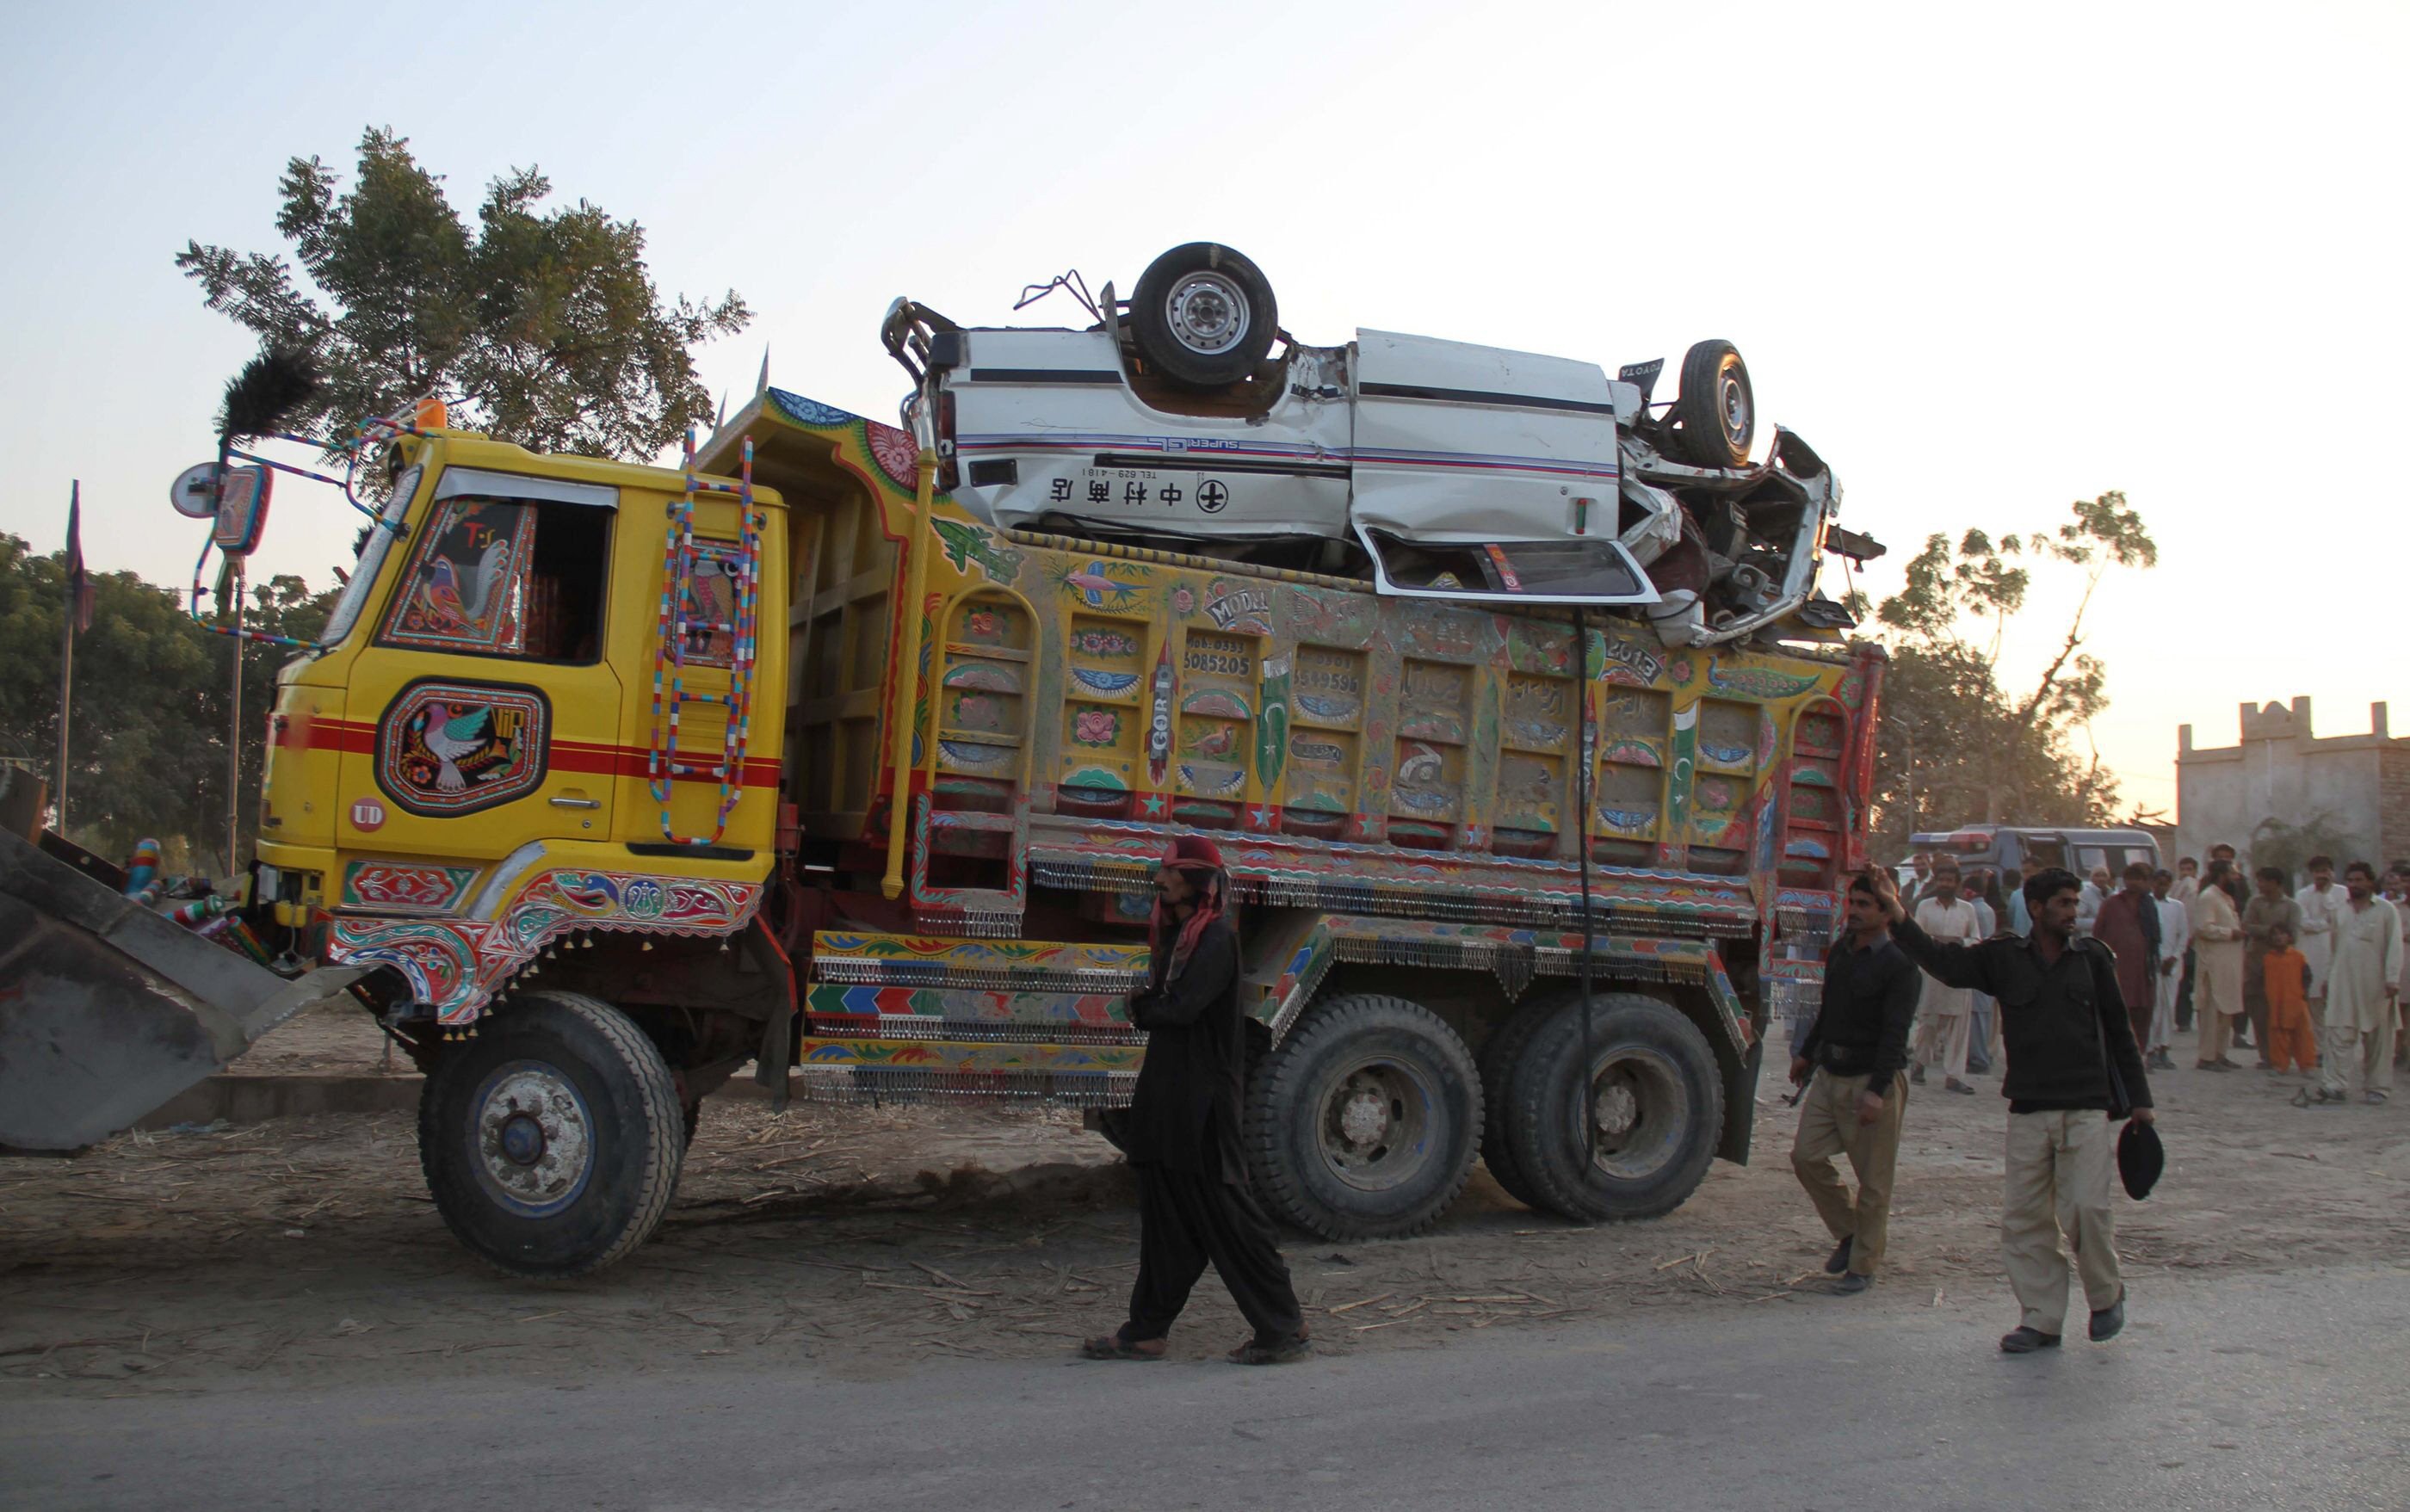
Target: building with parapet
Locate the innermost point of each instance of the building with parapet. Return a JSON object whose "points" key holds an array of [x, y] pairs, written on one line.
{"points": [[2282, 793]]}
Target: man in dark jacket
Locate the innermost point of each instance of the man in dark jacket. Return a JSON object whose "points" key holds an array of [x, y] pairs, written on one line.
{"points": [[1194, 1205], [2064, 1024], [1855, 1102]]}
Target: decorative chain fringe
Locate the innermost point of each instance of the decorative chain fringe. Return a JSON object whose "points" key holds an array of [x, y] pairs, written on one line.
{"points": [[874, 1085]]}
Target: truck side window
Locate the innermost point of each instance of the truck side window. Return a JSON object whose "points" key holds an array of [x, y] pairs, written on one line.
{"points": [[504, 578]]}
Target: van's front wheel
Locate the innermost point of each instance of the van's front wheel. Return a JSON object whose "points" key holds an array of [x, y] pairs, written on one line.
{"points": [[553, 1139]]}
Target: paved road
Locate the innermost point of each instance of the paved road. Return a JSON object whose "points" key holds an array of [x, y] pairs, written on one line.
{"points": [[2242, 1392]]}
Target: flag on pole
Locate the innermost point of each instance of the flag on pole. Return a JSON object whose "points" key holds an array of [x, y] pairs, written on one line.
{"points": [[79, 593]]}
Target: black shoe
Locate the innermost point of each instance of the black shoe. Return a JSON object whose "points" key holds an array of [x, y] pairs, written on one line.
{"points": [[2110, 1320], [1953, 1085], [2024, 1340], [1840, 1260], [1853, 1283], [1916, 1076]]}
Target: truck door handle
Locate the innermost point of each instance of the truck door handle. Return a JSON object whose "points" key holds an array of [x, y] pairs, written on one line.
{"points": [[577, 802]]}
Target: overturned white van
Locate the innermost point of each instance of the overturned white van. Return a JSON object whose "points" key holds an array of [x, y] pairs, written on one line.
{"points": [[1436, 467]]}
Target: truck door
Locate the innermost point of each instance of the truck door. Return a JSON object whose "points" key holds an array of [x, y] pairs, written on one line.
{"points": [[491, 717]]}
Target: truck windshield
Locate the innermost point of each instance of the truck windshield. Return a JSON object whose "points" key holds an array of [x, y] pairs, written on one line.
{"points": [[373, 554]]}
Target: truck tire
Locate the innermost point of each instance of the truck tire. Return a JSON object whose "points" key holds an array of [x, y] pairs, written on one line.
{"points": [[1363, 1124], [1499, 1054], [1203, 315], [1717, 409], [551, 1141], [1660, 1110]]}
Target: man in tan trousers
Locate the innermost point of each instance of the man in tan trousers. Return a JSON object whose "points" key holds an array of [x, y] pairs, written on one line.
{"points": [[2064, 1024], [1854, 1096]]}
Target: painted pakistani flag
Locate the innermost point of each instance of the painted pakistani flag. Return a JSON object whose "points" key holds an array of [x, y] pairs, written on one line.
{"points": [[1272, 726]]}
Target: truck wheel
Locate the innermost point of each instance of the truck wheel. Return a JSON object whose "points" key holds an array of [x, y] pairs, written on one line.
{"points": [[1660, 1110], [1204, 315], [1717, 409], [1362, 1123], [1499, 1054], [551, 1141]]}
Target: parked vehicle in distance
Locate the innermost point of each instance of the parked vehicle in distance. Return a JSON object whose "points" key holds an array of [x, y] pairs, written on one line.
{"points": [[2030, 848]]}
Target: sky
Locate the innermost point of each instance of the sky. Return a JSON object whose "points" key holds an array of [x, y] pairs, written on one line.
{"points": [[1987, 260]]}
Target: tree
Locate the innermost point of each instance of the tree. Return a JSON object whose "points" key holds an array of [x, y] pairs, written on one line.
{"points": [[147, 749], [1955, 748], [542, 328]]}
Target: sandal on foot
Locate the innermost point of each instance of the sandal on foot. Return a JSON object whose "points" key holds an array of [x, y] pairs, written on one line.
{"points": [[1119, 1345], [1255, 1352]]}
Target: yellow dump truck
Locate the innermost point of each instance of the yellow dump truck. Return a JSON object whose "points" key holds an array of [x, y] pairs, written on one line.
{"points": [[608, 780]]}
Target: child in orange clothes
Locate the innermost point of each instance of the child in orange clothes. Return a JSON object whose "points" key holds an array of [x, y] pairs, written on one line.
{"points": [[2292, 1040]]}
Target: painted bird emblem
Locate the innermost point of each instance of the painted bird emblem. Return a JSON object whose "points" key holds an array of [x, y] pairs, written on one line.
{"points": [[1098, 590], [1215, 742], [441, 595], [452, 737], [456, 596]]}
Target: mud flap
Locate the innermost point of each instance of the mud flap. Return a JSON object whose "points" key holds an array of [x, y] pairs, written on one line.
{"points": [[1741, 1105], [777, 1051]]}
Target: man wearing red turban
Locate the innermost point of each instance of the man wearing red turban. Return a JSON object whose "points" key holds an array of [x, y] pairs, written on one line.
{"points": [[1194, 1204]]}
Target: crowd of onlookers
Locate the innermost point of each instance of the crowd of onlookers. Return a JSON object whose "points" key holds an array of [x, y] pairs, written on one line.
{"points": [[2309, 978]]}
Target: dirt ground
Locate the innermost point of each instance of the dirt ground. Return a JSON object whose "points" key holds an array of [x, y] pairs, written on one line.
{"points": [[307, 1251]]}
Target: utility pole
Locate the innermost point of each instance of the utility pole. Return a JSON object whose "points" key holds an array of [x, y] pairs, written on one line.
{"points": [[234, 731]]}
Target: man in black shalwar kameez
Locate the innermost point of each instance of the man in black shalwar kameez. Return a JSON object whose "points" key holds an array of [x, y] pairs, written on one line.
{"points": [[1194, 1205]]}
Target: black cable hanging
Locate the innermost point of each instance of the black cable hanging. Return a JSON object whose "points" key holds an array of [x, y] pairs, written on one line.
{"points": [[1581, 830]]}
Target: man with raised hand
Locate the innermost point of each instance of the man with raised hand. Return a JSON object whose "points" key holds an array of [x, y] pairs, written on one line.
{"points": [[2070, 1052]]}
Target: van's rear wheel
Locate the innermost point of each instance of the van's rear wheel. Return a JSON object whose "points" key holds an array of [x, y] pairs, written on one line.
{"points": [[1363, 1124], [1203, 315], [1658, 1110], [553, 1139]]}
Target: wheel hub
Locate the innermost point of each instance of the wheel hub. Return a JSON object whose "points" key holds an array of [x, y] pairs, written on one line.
{"points": [[1364, 1117], [1736, 411], [534, 1143], [1641, 1108], [1208, 313], [522, 1139], [1617, 1110]]}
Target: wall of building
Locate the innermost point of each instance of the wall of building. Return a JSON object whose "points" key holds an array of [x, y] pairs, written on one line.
{"points": [[2357, 786]]}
